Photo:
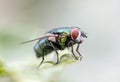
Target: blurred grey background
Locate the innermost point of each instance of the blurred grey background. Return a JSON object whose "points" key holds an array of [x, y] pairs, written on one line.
{"points": [[22, 20]]}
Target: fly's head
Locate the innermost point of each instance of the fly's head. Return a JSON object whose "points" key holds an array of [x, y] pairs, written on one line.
{"points": [[77, 35]]}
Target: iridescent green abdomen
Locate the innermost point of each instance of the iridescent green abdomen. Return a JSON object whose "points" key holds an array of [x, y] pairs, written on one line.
{"points": [[43, 47]]}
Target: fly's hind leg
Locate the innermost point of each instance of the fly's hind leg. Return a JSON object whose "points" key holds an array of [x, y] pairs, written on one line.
{"points": [[56, 52], [42, 60], [78, 52]]}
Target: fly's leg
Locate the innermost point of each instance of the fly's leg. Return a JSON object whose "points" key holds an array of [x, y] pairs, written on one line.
{"points": [[42, 60], [78, 52], [56, 52], [73, 51]]}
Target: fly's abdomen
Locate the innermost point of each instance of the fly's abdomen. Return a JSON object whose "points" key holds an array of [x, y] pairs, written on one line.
{"points": [[43, 47]]}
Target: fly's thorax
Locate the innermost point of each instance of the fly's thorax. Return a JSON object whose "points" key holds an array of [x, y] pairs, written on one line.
{"points": [[61, 40]]}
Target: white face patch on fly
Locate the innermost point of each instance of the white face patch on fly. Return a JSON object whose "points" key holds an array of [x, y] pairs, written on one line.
{"points": [[78, 39]]}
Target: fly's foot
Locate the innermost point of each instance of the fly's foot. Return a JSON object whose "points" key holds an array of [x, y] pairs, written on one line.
{"points": [[57, 62], [80, 58]]}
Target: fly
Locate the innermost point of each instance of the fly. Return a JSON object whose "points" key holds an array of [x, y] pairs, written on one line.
{"points": [[58, 39]]}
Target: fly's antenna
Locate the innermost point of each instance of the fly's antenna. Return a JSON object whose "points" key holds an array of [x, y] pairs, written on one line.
{"points": [[30, 40], [84, 34], [48, 35]]}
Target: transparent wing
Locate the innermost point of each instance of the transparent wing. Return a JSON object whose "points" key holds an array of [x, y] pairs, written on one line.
{"points": [[46, 36]]}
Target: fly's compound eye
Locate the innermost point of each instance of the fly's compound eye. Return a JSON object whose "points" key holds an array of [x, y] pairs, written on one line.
{"points": [[76, 34]]}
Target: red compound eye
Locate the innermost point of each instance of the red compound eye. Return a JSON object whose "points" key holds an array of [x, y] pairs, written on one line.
{"points": [[74, 33]]}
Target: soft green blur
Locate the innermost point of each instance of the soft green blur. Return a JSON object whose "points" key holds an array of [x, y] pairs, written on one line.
{"points": [[22, 20]]}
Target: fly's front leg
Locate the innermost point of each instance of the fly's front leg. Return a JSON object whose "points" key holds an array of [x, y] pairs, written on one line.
{"points": [[78, 52], [55, 51], [73, 51]]}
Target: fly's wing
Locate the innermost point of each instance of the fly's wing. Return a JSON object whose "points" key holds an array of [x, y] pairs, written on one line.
{"points": [[46, 36]]}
